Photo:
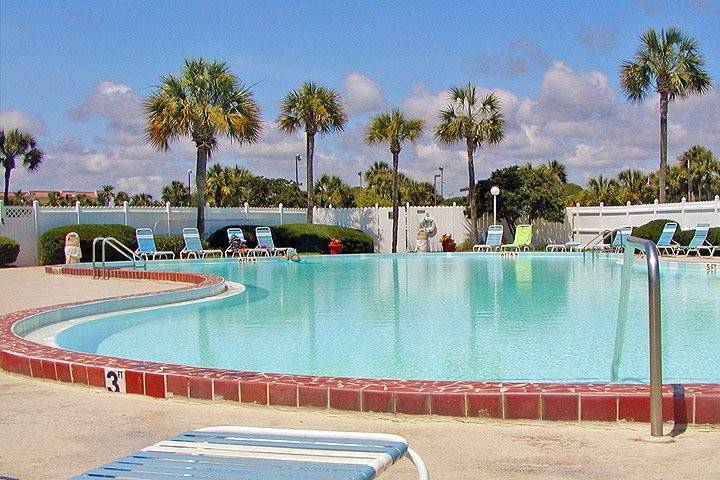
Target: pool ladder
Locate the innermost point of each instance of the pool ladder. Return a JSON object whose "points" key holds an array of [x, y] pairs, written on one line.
{"points": [[119, 247]]}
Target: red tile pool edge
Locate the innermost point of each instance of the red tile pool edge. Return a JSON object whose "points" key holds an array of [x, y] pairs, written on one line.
{"points": [[688, 403]]}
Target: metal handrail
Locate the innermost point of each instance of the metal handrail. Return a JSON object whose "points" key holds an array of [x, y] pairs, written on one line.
{"points": [[590, 246], [119, 247], [654, 321]]}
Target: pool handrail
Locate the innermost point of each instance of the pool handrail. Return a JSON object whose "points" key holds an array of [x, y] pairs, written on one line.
{"points": [[118, 246], [654, 322]]}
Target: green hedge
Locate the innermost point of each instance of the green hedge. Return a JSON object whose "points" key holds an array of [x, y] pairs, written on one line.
{"points": [[51, 244], [172, 243], [9, 250], [303, 237], [652, 231]]}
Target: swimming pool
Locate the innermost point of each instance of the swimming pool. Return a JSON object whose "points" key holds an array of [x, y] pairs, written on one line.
{"points": [[439, 316]]}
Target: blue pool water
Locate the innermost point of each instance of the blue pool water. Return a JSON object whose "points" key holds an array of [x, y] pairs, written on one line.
{"points": [[471, 317]]}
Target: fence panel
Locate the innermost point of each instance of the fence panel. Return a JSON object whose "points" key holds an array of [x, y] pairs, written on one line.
{"points": [[19, 224]]}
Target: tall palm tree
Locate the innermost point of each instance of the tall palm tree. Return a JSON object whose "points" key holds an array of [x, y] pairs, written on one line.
{"points": [[206, 101], [176, 193], [106, 194], [121, 197], [669, 64], [315, 109], [477, 121], [17, 146], [394, 129]]}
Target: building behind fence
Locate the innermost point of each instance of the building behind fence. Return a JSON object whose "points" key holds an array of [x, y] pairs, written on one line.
{"points": [[25, 224]]}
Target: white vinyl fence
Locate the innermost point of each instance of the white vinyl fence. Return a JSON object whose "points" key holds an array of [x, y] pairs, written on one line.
{"points": [[25, 224]]}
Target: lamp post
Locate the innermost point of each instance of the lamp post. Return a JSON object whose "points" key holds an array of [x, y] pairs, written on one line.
{"points": [[298, 159], [495, 191], [435, 177], [189, 172], [442, 182], [360, 175]]}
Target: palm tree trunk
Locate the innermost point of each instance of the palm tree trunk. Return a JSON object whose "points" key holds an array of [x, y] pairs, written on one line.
{"points": [[200, 176], [663, 145], [309, 152], [471, 193], [7, 185], [395, 201]]}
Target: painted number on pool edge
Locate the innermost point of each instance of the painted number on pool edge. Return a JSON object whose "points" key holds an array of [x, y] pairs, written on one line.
{"points": [[115, 380]]}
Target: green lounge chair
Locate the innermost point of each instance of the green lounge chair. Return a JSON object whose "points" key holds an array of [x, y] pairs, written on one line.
{"points": [[522, 240]]}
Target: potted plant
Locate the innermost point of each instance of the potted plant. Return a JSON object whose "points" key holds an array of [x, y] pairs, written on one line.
{"points": [[335, 246], [448, 244]]}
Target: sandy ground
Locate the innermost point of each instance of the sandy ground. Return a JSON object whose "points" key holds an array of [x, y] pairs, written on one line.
{"points": [[50, 430]]}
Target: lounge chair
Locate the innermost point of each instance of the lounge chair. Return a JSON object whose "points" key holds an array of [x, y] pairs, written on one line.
{"points": [[233, 233], [226, 453], [493, 240], [699, 242], [621, 236], [193, 246], [572, 245], [522, 240], [265, 241], [146, 245], [665, 243]]}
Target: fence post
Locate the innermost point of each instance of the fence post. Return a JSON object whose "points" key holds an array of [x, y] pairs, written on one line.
{"points": [[125, 212], [684, 213], [627, 212], [167, 213], [377, 225], [655, 207], [36, 212], [454, 216], [247, 212], [602, 223], [77, 211], [576, 217], [280, 210]]}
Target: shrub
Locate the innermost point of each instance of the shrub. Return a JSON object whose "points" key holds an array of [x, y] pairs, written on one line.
{"points": [[303, 237], [652, 231], [171, 243], [9, 250], [51, 243]]}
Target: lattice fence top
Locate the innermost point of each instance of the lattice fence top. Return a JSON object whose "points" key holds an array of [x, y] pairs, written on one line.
{"points": [[18, 212]]}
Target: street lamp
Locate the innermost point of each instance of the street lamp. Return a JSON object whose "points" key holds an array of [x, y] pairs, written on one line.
{"points": [[298, 159], [495, 191], [435, 177], [360, 175], [442, 182]]}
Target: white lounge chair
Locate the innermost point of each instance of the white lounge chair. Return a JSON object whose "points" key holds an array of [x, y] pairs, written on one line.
{"points": [[193, 245], [265, 241], [249, 254], [572, 245], [230, 453], [493, 239], [699, 242], [146, 245]]}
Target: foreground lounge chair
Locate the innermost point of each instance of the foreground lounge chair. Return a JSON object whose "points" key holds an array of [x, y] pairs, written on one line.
{"points": [[226, 453], [522, 240], [265, 241], [699, 242], [247, 253], [193, 246], [665, 243], [621, 236], [146, 245], [493, 240]]}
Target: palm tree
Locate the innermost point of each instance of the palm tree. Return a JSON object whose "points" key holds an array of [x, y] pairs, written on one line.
{"points": [[18, 146], [378, 178], [331, 190], [316, 109], [559, 169], [603, 190], [204, 102], [121, 197], [477, 121], [176, 193], [141, 200], [394, 130], [20, 198], [702, 171], [669, 64], [106, 194]]}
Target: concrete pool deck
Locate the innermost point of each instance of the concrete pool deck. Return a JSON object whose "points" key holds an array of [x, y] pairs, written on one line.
{"points": [[54, 430]]}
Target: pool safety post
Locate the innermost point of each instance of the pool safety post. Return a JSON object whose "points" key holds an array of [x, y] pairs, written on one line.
{"points": [[655, 350], [495, 191]]}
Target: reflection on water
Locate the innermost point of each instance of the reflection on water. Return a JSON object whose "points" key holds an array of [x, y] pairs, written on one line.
{"points": [[425, 316]]}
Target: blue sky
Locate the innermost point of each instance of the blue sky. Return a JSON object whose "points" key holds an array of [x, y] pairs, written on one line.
{"points": [[76, 72]]}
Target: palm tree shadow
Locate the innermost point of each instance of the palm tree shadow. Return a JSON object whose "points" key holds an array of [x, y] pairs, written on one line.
{"points": [[679, 411]]}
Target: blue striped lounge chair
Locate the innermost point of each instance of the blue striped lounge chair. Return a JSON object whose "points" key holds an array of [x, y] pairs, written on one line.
{"points": [[193, 245], [146, 245], [493, 239], [265, 241], [699, 242], [233, 233], [621, 236], [665, 244], [230, 453]]}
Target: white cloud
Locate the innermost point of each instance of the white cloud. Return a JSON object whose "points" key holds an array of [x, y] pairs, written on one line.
{"points": [[362, 94], [14, 118]]}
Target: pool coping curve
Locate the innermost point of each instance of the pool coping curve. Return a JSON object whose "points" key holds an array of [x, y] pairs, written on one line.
{"points": [[691, 403]]}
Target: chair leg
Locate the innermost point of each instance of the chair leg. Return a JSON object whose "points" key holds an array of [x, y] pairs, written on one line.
{"points": [[419, 464]]}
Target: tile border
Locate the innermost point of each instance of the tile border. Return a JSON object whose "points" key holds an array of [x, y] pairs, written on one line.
{"points": [[694, 403]]}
